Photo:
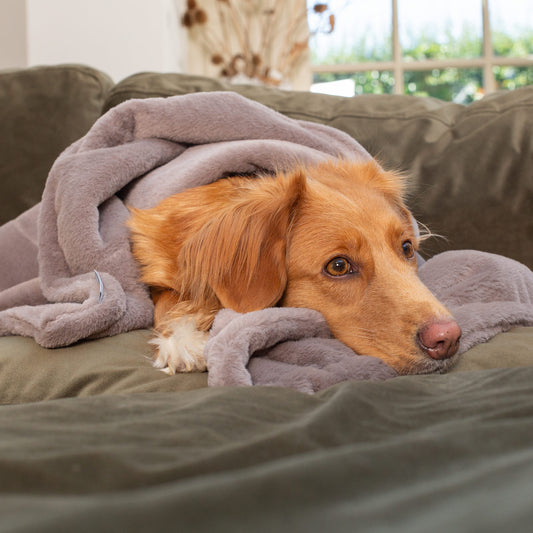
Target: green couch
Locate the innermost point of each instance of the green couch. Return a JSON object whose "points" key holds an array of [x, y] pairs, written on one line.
{"points": [[92, 438]]}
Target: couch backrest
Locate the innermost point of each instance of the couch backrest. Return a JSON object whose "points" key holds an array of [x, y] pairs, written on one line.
{"points": [[42, 111], [470, 167]]}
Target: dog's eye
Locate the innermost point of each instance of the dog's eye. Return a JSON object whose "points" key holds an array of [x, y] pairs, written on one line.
{"points": [[408, 249], [339, 266]]}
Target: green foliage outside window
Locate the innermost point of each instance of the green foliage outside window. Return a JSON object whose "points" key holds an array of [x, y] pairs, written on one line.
{"points": [[462, 85]]}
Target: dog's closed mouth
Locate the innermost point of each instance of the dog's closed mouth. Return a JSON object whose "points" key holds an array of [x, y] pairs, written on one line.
{"points": [[431, 366]]}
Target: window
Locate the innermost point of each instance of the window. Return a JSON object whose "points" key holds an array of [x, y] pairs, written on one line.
{"points": [[455, 50]]}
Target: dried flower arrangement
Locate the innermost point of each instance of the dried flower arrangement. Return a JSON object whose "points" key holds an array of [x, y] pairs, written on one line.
{"points": [[259, 40]]}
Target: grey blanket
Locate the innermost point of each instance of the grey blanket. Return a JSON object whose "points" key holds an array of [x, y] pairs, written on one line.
{"points": [[67, 273]]}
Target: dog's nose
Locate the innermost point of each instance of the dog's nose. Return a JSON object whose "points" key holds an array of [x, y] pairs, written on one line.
{"points": [[440, 339]]}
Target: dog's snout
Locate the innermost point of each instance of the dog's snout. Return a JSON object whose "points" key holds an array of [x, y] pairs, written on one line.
{"points": [[439, 339]]}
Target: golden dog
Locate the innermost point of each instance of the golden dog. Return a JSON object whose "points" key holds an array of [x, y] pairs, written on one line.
{"points": [[335, 237]]}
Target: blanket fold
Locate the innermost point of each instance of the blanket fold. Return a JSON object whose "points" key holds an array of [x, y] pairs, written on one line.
{"points": [[136, 154], [286, 347]]}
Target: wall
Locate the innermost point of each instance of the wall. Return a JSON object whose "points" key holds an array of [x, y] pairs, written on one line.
{"points": [[120, 37], [13, 52]]}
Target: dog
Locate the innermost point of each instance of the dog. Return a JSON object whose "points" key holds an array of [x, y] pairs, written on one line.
{"points": [[336, 237]]}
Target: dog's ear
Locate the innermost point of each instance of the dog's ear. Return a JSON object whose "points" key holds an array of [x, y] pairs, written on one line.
{"points": [[348, 176], [150, 245], [392, 184], [240, 253]]}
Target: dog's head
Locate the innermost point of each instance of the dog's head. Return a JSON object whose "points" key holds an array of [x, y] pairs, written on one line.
{"points": [[336, 238]]}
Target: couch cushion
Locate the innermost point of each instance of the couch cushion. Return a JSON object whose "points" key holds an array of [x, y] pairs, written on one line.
{"points": [[112, 365], [121, 365], [418, 454], [42, 111], [470, 167]]}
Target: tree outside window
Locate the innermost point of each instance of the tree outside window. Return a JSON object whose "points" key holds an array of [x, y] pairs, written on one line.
{"points": [[456, 50]]}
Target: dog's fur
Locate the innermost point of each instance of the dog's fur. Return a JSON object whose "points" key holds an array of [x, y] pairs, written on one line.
{"points": [[250, 243]]}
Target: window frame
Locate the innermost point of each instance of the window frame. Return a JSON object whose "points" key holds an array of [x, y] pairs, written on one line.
{"points": [[398, 65]]}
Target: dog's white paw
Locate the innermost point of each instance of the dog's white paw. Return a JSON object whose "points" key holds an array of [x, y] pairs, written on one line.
{"points": [[182, 350]]}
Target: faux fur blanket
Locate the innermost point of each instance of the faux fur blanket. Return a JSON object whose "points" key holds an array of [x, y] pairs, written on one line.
{"points": [[67, 273]]}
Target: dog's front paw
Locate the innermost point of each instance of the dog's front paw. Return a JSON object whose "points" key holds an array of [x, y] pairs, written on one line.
{"points": [[182, 350]]}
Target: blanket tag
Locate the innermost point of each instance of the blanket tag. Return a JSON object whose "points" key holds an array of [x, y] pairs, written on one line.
{"points": [[101, 283]]}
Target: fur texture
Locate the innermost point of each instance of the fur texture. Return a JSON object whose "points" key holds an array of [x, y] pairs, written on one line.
{"points": [[335, 237]]}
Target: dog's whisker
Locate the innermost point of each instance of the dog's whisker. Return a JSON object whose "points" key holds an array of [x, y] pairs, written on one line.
{"points": [[426, 233]]}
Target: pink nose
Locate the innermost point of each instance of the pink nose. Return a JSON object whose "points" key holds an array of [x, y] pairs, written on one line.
{"points": [[440, 339]]}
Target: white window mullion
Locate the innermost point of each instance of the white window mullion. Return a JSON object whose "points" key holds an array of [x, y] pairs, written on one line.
{"points": [[489, 83], [397, 51]]}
